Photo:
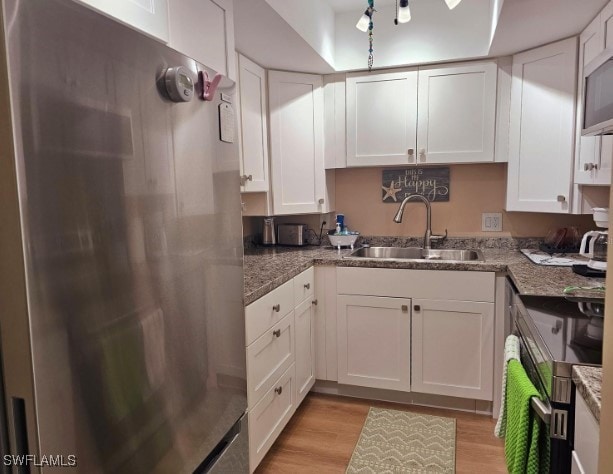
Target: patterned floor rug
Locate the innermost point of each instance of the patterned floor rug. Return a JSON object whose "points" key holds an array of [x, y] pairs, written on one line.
{"points": [[395, 441]]}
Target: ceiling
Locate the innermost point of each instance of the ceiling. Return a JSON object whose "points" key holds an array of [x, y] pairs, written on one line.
{"points": [[319, 36], [357, 5], [265, 37], [524, 24]]}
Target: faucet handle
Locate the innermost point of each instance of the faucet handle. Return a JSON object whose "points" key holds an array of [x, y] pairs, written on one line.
{"points": [[440, 238]]}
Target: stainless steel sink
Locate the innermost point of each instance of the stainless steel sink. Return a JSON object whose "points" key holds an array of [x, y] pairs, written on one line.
{"points": [[417, 253]]}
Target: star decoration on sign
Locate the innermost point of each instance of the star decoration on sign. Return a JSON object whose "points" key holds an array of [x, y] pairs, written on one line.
{"points": [[390, 191]]}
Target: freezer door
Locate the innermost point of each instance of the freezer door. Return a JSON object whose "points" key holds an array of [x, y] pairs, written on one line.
{"points": [[131, 224]]}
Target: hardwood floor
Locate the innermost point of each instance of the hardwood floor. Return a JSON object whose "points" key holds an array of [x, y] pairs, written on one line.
{"points": [[322, 434]]}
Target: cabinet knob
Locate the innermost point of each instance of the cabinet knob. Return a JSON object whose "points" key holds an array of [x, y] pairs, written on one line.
{"points": [[307, 286], [417, 307], [321, 200], [410, 152], [588, 166], [276, 308], [314, 302], [279, 390], [277, 333], [245, 178], [595, 166], [404, 308], [561, 198]]}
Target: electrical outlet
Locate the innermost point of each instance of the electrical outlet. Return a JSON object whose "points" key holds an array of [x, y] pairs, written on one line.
{"points": [[491, 222]]}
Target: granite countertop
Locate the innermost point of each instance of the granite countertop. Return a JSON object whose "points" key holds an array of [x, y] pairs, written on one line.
{"points": [[589, 382], [268, 268]]}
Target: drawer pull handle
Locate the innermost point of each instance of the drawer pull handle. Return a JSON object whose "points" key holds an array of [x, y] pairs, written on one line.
{"points": [[314, 302], [417, 307], [277, 333], [279, 390], [307, 286], [276, 308]]}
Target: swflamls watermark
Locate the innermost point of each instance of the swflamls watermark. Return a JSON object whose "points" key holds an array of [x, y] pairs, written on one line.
{"points": [[44, 460]]}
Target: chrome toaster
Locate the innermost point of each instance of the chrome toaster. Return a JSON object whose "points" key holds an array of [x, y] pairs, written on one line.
{"points": [[291, 234]]}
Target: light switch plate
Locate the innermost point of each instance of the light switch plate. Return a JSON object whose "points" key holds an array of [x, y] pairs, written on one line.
{"points": [[491, 222]]}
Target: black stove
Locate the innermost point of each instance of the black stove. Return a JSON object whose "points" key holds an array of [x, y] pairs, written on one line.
{"points": [[555, 334], [570, 329]]}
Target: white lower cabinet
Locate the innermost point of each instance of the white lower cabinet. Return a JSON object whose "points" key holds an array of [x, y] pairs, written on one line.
{"points": [[452, 348], [419, 331], [280, 339], [305, 348], [269, 357], [268, 418], [587, 439], [374, 342]]}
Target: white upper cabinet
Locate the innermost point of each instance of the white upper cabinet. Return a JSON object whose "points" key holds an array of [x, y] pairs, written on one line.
{"points": [[381, 118], [592, 154], [253, 126], [148, 16], [296, 141], [204, 31], [606, 25], [542, 128], [456, 113]]}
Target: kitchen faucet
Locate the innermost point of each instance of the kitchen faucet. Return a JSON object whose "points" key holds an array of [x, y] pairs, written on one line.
{"points": [[428, 236]]}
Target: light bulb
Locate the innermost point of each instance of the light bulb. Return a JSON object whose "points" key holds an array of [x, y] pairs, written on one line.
{"points": [[404, 13], [452, 3], [363, 22]]}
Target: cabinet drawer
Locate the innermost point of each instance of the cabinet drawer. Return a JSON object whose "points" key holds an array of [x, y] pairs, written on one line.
{"points": [[430, 284], [268, 418], [304, 286], [264, 313], [268, 357]]}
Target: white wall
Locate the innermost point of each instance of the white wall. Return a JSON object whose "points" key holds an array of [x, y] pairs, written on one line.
{"points": [[313, 20], [434, 34]]}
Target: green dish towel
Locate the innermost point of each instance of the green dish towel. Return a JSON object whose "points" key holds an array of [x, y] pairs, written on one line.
{"points": [[521, 447]]}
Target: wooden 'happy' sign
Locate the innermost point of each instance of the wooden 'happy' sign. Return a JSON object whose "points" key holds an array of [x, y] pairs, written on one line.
{"points": [[432, 183]]}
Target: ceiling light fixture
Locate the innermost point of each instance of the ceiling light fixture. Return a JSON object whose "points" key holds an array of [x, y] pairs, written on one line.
{"points": [[365, 23], [452, 3], [404, 12]]}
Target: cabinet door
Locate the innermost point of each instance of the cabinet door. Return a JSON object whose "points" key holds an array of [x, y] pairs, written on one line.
{"points": [[296, 139], [268, 418], [253, 126], [305, 349], [605, 163], [457, 113], [374, 342], [542, 128], [587, 149], [148, 16], [453, 348], [587, 436], [606, 22], [268, 357], [204, 31], [381, 118], [592, 41]]}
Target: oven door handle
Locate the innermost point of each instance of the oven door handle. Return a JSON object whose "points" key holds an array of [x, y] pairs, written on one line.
{"points": [[542, 410]]}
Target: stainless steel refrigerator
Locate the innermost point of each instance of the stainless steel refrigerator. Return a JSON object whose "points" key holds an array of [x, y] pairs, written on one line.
{"points": [[121, 279]]}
